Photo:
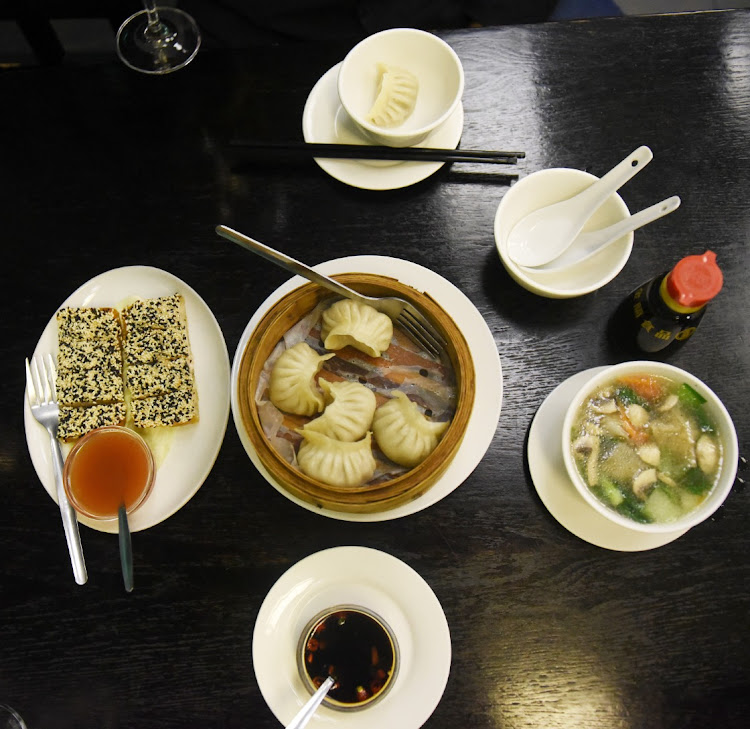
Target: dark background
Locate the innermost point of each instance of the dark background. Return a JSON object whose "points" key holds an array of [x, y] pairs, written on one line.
{"points": [[101, 167]]}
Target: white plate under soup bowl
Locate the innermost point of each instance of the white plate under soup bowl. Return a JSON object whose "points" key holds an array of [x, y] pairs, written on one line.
{"points": [[715, 409]]}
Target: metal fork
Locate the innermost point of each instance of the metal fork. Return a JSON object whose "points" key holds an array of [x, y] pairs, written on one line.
{"points": [[404, 314], [40, 388]]}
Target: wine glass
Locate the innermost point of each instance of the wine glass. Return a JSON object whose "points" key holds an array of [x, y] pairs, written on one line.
{"points": [[9, 718], [158, 40]]}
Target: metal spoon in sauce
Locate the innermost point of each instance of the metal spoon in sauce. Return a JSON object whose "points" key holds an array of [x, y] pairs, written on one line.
{"points": [[306, 712], [126, 549]]}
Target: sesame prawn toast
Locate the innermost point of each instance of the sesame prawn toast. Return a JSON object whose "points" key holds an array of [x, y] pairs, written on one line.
{"points": [[89, 381], [150, 345], [89, 323], [158, 363], [83, 387], [174, 407], [163, 312], [87, 354], [77, 421], [149, 379]]}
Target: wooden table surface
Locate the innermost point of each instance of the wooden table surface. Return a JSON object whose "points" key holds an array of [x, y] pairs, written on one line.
{"points": [[101, 167]]}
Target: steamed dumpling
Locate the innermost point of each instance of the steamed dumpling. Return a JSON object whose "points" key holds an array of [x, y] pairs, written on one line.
{"points": [[349, 322], [397, 96], [292, 388], [345, 465], [403, 433], [348, 414]]}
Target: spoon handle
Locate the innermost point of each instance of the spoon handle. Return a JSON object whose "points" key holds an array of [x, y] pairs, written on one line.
{"points": [[587, 244], [592, 197], [126, 548], [599, 238], [306, 712], [286, 262]]}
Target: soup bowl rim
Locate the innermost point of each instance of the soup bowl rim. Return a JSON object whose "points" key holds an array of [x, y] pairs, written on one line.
{"points": [[728, 437]]}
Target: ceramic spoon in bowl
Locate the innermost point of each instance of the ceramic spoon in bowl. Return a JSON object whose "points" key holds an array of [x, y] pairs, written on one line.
{"points": [[544, 234], [587, 244]]}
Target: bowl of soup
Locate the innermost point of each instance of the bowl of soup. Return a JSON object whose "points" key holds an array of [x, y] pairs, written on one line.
{"points": [[650, 446], [354, 646]]}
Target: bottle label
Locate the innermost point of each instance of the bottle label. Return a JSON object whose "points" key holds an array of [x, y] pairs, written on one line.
{"points": [[685, 333]]}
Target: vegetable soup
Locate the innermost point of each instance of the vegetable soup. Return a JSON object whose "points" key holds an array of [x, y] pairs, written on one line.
{"points": [[647, 447]]}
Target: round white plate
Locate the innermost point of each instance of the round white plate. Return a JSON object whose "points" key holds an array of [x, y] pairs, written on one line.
{"points": [[557, 491], [487, 370], [372, 579], [324, 120], [192, 448]]}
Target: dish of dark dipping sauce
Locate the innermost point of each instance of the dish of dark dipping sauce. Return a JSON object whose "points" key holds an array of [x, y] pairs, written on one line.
{"points": [[355, 647]]}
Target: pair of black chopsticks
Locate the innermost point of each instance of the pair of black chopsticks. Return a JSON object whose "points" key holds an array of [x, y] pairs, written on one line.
{"points": [[366, 151]]}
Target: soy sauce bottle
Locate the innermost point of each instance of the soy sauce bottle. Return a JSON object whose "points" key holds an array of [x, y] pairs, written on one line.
{"points": [[665, 311]]}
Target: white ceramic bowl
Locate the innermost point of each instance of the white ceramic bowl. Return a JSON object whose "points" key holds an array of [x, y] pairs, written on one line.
{"points": [[544, 188], [434, 63], [715, 409]]}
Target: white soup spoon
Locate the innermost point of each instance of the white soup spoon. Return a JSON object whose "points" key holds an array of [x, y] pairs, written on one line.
{"points": [[587, 244], [544, 234]]}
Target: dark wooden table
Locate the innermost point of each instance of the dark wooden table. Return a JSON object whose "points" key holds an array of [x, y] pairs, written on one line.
{"points": [[101, 167]]}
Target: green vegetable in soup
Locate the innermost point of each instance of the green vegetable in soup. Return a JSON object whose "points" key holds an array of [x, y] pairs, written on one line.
{"points": [[693, 403], [695, 481], [634, 509], [626, 395], [689, 396], [611, 492]]}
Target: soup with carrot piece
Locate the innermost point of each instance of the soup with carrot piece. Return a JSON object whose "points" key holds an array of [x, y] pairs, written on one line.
{"points": [[646, 447]]}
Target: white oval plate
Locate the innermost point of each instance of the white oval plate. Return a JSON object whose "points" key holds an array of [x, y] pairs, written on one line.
{"points": [[487, 370], [557, 491], [324, 120], [369, 578], [193, 448]]}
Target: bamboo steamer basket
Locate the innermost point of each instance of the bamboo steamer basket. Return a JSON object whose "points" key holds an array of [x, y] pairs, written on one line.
{"points": [[367, 498]]}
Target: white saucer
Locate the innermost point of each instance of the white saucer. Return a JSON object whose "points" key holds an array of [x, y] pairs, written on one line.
{"points": [[556, 490], [372, 579], [487, 372], [324, 120], [193, 448]]}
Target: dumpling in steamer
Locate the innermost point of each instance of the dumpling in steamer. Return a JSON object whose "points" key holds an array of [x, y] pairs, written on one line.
{"points": [[403, 433], [348, 414], [344, 465], [292, 388], [348, 322], [397, 96]]}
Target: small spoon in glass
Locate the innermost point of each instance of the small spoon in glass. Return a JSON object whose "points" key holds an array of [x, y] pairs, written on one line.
{"points": [[126, 549], [544, 234], [306, 712]]}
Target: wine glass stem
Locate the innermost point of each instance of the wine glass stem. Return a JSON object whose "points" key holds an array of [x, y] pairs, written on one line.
{"points": [[156, 32], [153, 15]]}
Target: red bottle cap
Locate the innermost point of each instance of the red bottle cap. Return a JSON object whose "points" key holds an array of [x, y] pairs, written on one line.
{"points": [[695, 280]]}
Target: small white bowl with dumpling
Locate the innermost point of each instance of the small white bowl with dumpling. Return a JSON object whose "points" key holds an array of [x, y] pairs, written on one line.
{"points": [[399, 85], [650, 447], [342, 408]]}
